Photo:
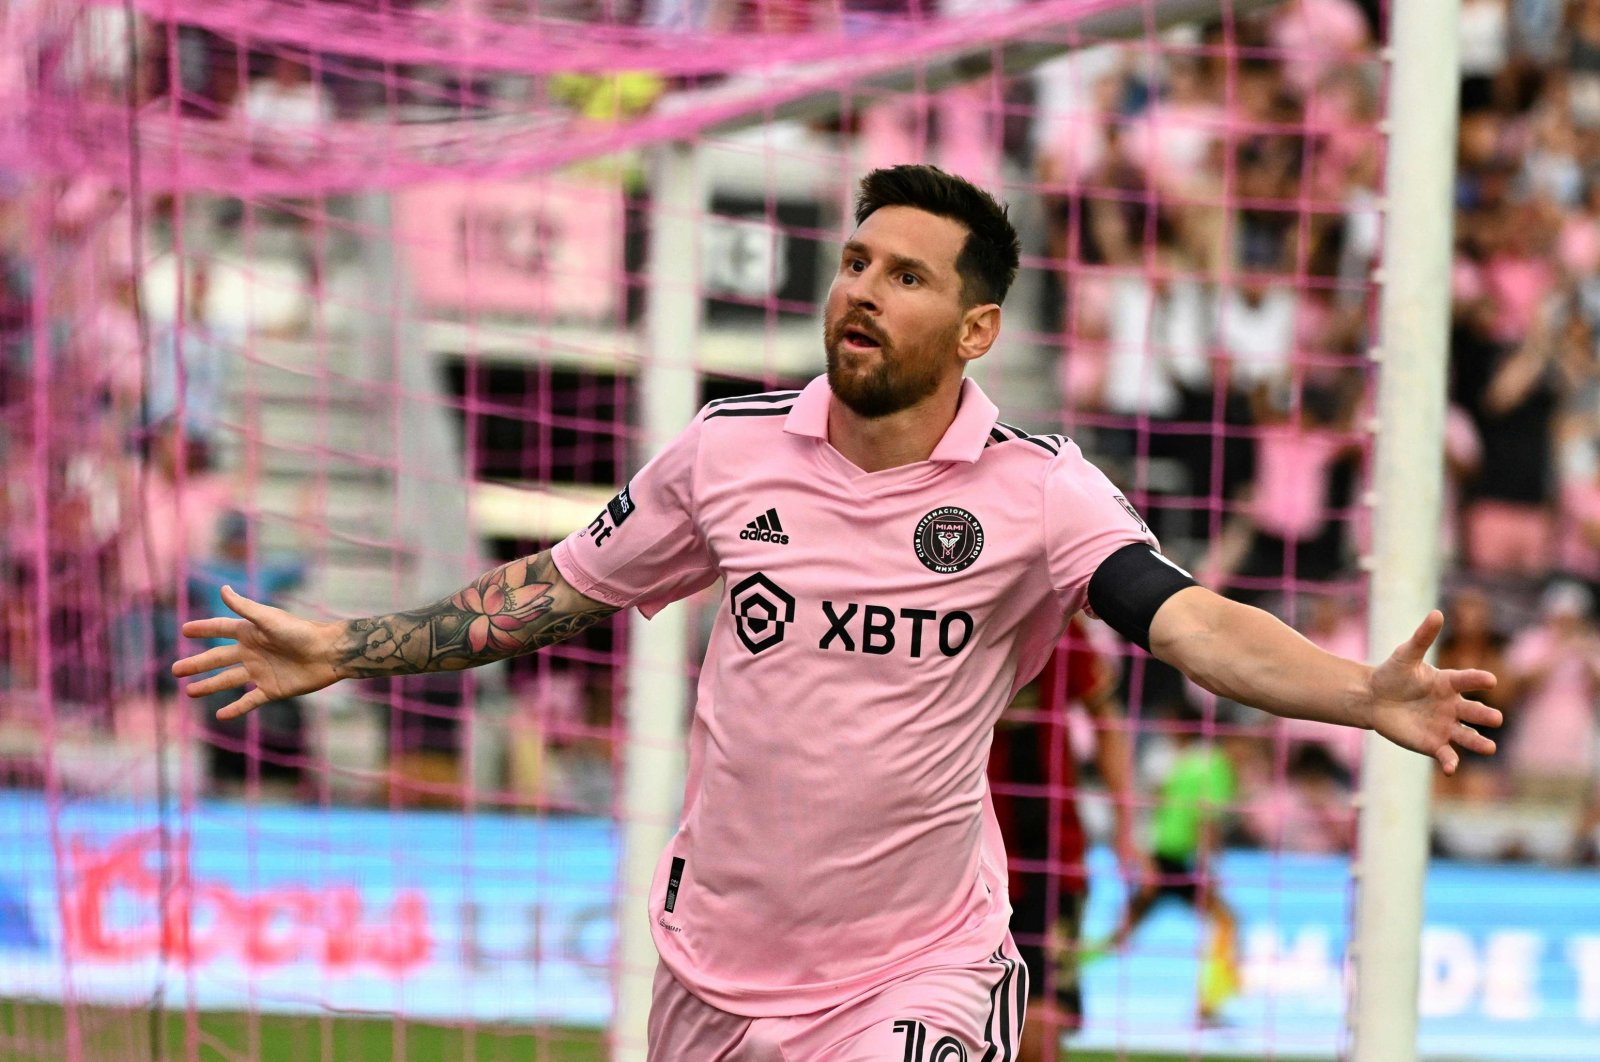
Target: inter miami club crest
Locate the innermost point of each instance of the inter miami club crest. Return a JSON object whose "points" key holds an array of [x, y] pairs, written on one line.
{"points": [[948, 540]]}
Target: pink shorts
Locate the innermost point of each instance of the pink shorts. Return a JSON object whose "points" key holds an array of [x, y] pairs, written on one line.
{"points": [[970, 1013]]}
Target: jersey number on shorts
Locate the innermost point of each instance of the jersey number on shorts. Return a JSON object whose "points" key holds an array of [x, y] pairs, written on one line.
{"points": [[945, 1049]]}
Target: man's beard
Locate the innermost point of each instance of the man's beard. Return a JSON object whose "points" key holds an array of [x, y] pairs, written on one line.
{"points": [[895, 383]]}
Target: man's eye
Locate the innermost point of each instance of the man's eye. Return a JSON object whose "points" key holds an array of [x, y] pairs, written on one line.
{"points": [[855, 265], [909, 279]]}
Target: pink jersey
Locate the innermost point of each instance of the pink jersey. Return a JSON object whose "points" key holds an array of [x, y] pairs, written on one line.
{"points": [[837, 831]]}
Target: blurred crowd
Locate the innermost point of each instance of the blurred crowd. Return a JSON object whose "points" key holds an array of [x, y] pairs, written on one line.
{"points": [[117, 508], [1210, 219], [1183, 315]]}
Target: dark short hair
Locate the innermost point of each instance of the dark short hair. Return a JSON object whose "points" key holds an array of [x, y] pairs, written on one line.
{"points": [[988, 260]]}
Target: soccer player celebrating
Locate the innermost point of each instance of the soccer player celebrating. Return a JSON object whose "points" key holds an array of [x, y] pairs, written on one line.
{"points": [[837, 888]]}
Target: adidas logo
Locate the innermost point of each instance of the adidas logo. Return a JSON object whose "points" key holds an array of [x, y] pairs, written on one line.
{"points": [[765, 528]]}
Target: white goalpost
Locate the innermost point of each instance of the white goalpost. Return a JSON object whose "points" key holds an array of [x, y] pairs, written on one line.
{"points": [[1407, 509], [658, 702]]}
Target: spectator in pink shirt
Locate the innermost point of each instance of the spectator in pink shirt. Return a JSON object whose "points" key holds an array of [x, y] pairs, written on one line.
{"points": [[1288, 529], [1075, 145], [107, 350], [1513, 395], [1558, 665], [171, 518], [1331, 623], [1342, 118], [1307, 808], [1320, 34], [1578, 246], [1519, 275], [1578, 544], [1173, 137]]}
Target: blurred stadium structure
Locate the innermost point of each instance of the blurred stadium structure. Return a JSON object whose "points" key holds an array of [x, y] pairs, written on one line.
{"points": [[340, 302]]}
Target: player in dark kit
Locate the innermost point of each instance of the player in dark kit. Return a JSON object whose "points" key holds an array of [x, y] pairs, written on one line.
{"points": [[1034, 778]]}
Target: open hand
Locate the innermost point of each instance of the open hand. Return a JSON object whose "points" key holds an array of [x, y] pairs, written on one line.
{"points": [[1421, 708], [279, 654]]}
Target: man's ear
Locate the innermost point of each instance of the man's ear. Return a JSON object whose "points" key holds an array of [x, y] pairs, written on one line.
{"points": [[980, 327]]}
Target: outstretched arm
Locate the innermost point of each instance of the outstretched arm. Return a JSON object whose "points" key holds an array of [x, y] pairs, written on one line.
{"points": [[1249, 656], [514, 609]]}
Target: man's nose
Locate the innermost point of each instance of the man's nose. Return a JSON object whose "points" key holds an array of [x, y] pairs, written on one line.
{"points": [[860, 298]]}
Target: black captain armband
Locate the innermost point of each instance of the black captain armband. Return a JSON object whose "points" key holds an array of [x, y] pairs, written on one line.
{"points": [[1130, 585]]}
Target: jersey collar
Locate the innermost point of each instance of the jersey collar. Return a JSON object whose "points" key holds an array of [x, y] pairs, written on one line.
{"points": [[963, 440]]}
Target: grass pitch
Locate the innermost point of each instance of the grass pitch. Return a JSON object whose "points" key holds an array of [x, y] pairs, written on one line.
{"points": [[39, 1032]]}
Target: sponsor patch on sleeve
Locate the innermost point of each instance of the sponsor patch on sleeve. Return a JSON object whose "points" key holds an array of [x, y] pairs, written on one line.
{"points": [[620, 507], [611, 517]]}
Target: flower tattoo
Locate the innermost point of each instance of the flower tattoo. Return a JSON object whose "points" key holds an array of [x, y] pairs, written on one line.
{"points": [[508, 611], [500, 604]]}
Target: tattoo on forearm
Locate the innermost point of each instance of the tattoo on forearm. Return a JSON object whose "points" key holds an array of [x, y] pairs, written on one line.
{"points": [[506, 612]]}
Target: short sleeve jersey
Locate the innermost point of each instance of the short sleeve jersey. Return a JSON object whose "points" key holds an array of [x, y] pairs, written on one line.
{"points": [[837, 831]]}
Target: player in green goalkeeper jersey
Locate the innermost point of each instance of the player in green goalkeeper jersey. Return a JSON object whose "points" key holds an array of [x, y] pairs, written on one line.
{"points": [[1197, 791]]}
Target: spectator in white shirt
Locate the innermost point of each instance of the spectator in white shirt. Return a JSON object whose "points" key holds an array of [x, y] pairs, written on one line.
{"points": [[284, 113], [1255, 331]]}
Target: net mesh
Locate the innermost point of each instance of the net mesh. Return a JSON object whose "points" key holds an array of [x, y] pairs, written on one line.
{"points": [[341, 303]]}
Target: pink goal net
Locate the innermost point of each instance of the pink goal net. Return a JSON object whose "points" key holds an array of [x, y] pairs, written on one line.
{"points": [[342, 302]]}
